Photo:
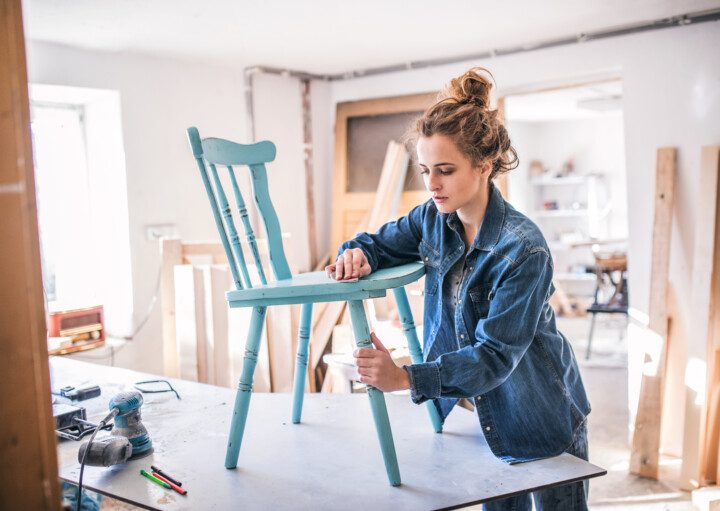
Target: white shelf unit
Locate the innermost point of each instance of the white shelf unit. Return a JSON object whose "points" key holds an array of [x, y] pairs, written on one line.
{"points": [[568, 211]]}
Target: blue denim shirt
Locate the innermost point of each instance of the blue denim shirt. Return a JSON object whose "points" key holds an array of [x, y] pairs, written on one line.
{"points": [[499, 344]]}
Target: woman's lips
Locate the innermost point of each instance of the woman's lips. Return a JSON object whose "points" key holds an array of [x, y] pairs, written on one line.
{"points": [[439, 200]]}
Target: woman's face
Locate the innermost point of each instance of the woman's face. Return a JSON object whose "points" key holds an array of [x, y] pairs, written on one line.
{"points": [[449, 175]]}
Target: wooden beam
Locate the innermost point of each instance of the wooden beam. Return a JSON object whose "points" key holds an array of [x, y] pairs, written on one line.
{"points": [[644, 458], [698, 464], [28, 472], [309, 180], [170, 256]]}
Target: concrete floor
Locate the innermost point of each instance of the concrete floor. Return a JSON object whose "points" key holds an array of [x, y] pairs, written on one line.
{"points": [[605, 378]]}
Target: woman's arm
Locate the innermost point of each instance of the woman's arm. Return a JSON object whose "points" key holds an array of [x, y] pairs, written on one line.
{"points": [[501, 339], [395, 243]]}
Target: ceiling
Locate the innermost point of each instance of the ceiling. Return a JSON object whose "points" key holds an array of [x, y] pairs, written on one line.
{"points": [[329, 36], [601, 99]]}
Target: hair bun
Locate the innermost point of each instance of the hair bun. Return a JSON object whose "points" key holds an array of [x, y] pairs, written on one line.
{"points": [[472, 87]]}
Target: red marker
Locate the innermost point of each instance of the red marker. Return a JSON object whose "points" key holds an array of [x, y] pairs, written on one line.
{"points": [[174, 486]]}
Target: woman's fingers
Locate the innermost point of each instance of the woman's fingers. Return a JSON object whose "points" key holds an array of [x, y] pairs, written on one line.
{"points": [[351, 264]]}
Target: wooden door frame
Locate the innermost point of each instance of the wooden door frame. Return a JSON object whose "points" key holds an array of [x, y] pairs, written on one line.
{"points": [[29, 471]]}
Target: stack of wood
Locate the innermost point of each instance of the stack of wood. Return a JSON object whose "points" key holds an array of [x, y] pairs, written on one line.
{"points": [[203, 339], [681, 362]]}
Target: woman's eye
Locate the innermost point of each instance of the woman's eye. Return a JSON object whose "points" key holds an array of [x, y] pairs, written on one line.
{"points": [[447, 172], [424, 171]]}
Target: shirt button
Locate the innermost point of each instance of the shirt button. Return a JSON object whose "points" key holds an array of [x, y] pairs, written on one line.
{"points": [[478, 398], [462, 336], [426, 258], [459, 302], [487, 429]]}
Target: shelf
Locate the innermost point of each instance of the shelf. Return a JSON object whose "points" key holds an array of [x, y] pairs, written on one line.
{"points": [[576, 277], [559, 181], [557, 213]]}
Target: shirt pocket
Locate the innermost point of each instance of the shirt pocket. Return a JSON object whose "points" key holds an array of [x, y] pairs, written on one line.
{"points": [[481, 296], [431, 260]]}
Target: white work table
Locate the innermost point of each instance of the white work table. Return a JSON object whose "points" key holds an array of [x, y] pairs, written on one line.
{"points": [[331, 460]]}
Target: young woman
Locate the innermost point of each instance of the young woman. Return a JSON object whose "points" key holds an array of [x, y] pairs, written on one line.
{"points": [[490, 334]]}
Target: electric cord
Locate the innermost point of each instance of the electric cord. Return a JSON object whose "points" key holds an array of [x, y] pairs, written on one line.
{"points": [[100, 426]]}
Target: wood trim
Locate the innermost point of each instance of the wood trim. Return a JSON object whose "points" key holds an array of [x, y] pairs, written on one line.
{"points": [[644, 458], [28, 471]]}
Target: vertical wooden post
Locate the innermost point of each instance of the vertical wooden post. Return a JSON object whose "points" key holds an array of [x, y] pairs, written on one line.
{"points": [[699, 465], [28, 472], [309, 181], [644, 458], [170, 256]]}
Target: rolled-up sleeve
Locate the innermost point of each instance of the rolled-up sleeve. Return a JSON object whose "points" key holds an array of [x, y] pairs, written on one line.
{"points": [[500, 341]]}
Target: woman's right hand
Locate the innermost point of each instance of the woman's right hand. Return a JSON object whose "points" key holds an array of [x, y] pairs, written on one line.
{"points": [[351, 264]]}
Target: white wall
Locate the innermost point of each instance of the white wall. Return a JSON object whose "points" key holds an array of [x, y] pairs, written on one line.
{"points": [[159, 99]]}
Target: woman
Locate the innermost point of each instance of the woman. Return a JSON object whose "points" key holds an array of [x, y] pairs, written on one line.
{"points": [[490, 334]]}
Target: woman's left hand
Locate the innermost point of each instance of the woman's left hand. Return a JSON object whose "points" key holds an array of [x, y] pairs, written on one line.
{"points": [[376, 368]]}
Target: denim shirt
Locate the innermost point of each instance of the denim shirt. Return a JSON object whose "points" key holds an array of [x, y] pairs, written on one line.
{"points": [[498, 345]]}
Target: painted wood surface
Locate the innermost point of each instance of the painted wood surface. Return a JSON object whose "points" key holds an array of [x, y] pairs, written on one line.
{"points": [[331, 459], [645, 453], [318, 287]]}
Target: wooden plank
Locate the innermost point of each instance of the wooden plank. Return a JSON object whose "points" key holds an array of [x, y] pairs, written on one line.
{"points": [[280, 347], [190, 322], [701, 345], [220, 281], [170, 255], [644, 458], [309, 180], [28, 470]]}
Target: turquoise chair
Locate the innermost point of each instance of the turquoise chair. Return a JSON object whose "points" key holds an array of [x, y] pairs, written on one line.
{"points": [[306, 289]]}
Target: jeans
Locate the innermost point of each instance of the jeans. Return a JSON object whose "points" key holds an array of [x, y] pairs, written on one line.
{"points": [[571, 497]]}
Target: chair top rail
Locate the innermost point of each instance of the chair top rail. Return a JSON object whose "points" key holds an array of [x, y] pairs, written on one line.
{"points": [[226, 152]]}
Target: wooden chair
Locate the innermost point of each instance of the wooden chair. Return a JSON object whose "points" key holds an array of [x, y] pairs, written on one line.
{"points": [[304, 289]]}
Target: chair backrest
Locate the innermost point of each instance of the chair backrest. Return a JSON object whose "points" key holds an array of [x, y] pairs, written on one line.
{"points": [[210, 153]]}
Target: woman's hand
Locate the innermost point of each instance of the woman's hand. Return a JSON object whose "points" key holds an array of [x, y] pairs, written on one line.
{"points": [[351, 264], [376, 368]]}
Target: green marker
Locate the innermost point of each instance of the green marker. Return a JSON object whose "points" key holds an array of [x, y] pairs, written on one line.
{"points": [[155, 480]]}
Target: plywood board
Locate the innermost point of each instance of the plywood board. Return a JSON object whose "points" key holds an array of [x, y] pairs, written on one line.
{"points": [[645, 453], [28, 471], [701, 345]]}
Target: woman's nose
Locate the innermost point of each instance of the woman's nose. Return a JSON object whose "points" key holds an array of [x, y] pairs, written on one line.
{"points": [[432, 183]]}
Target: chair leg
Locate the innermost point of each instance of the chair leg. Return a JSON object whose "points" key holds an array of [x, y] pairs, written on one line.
{"points": [[377, 398], [302, 361], [408, 324], [242, 398], [590, 336]]}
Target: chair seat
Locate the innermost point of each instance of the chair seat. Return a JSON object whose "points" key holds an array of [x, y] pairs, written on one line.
{"points": [[316, 287]]}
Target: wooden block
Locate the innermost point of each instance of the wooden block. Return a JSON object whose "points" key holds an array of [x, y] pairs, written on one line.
{"points": [[646, 436], [170, 255], [280, 346], [189, 322]]}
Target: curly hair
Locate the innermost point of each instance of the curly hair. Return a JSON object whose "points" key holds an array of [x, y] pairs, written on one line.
{"points": [[463, 113]]}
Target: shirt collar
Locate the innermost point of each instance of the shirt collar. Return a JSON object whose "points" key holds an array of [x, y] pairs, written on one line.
{"points": [[491, 227]]}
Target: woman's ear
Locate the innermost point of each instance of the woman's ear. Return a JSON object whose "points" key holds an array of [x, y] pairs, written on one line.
{"points": [[485, 167]]}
